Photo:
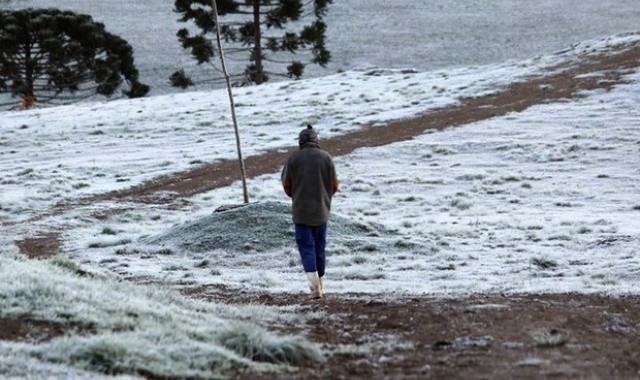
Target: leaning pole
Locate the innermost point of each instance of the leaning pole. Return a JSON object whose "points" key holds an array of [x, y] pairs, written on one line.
{"points": [[232, 105]]}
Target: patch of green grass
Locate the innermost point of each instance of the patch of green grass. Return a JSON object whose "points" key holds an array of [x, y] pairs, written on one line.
{"points": [[106, 244], [359, 260], [104, 358], [164, 251], [351, 351], [174, 267], [512, 178], [584, 230], [108, 231], [80, 185], [369, 248], [446, 267], [129, 251], [544, 263], [460, 203], [365, 276], [203, 264], [404, 244], [69, 265]]}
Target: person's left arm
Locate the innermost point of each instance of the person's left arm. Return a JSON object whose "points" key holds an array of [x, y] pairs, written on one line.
{"points": [[335, 184]]}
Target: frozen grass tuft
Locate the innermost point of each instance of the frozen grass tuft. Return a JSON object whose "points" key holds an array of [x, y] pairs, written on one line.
{"points": [[108, 243], [150, 354], [444, 150], [544, 263], [262, 347], [461, 203], [360, 276], [14, 364], [109, 231], [551, 338], [351, 350], [65, 263], [71, 266]]}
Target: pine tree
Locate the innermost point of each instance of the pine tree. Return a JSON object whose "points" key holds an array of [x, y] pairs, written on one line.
{"points": [[264, 33], [49, 54]]}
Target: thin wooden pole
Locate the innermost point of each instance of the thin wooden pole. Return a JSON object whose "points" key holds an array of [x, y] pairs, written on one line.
{"points": [[231, 103]]}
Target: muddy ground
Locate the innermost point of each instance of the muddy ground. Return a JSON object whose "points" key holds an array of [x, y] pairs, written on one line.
{"points": [[565, 336]]}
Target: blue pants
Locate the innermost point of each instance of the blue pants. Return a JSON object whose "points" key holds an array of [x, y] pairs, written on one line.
{"points": [[311, 242]]}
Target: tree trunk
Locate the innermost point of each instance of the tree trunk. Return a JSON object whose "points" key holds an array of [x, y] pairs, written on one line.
{"points": [[257, 43], [233, 108], [27, 93]]}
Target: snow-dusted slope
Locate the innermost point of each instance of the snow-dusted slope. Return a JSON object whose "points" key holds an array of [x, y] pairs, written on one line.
{"points": [[540, 201]]}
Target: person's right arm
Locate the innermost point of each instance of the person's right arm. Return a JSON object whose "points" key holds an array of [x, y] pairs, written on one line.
{"points": [[286, 179]]}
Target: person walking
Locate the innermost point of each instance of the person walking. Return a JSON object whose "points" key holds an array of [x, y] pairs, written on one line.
{"points": [[309, 178]]}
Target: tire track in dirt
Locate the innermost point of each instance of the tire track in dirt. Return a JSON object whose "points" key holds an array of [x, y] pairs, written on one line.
{"points": [[562, 83]]}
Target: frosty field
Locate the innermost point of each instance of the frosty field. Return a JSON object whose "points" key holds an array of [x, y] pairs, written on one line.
{"points": [[536, 202], [540, 201]]}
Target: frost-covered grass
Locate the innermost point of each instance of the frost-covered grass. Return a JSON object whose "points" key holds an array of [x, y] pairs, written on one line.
{"points": [[465, 204], [52, 155], [136, 329], [49, 157], [15, 364], [539, 201]]}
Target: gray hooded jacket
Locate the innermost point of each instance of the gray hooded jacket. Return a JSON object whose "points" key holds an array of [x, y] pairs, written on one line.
{"points": [[309, 178]]}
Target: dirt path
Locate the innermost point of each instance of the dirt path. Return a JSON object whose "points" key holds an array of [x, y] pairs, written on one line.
{"points": [[561, 336]]}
